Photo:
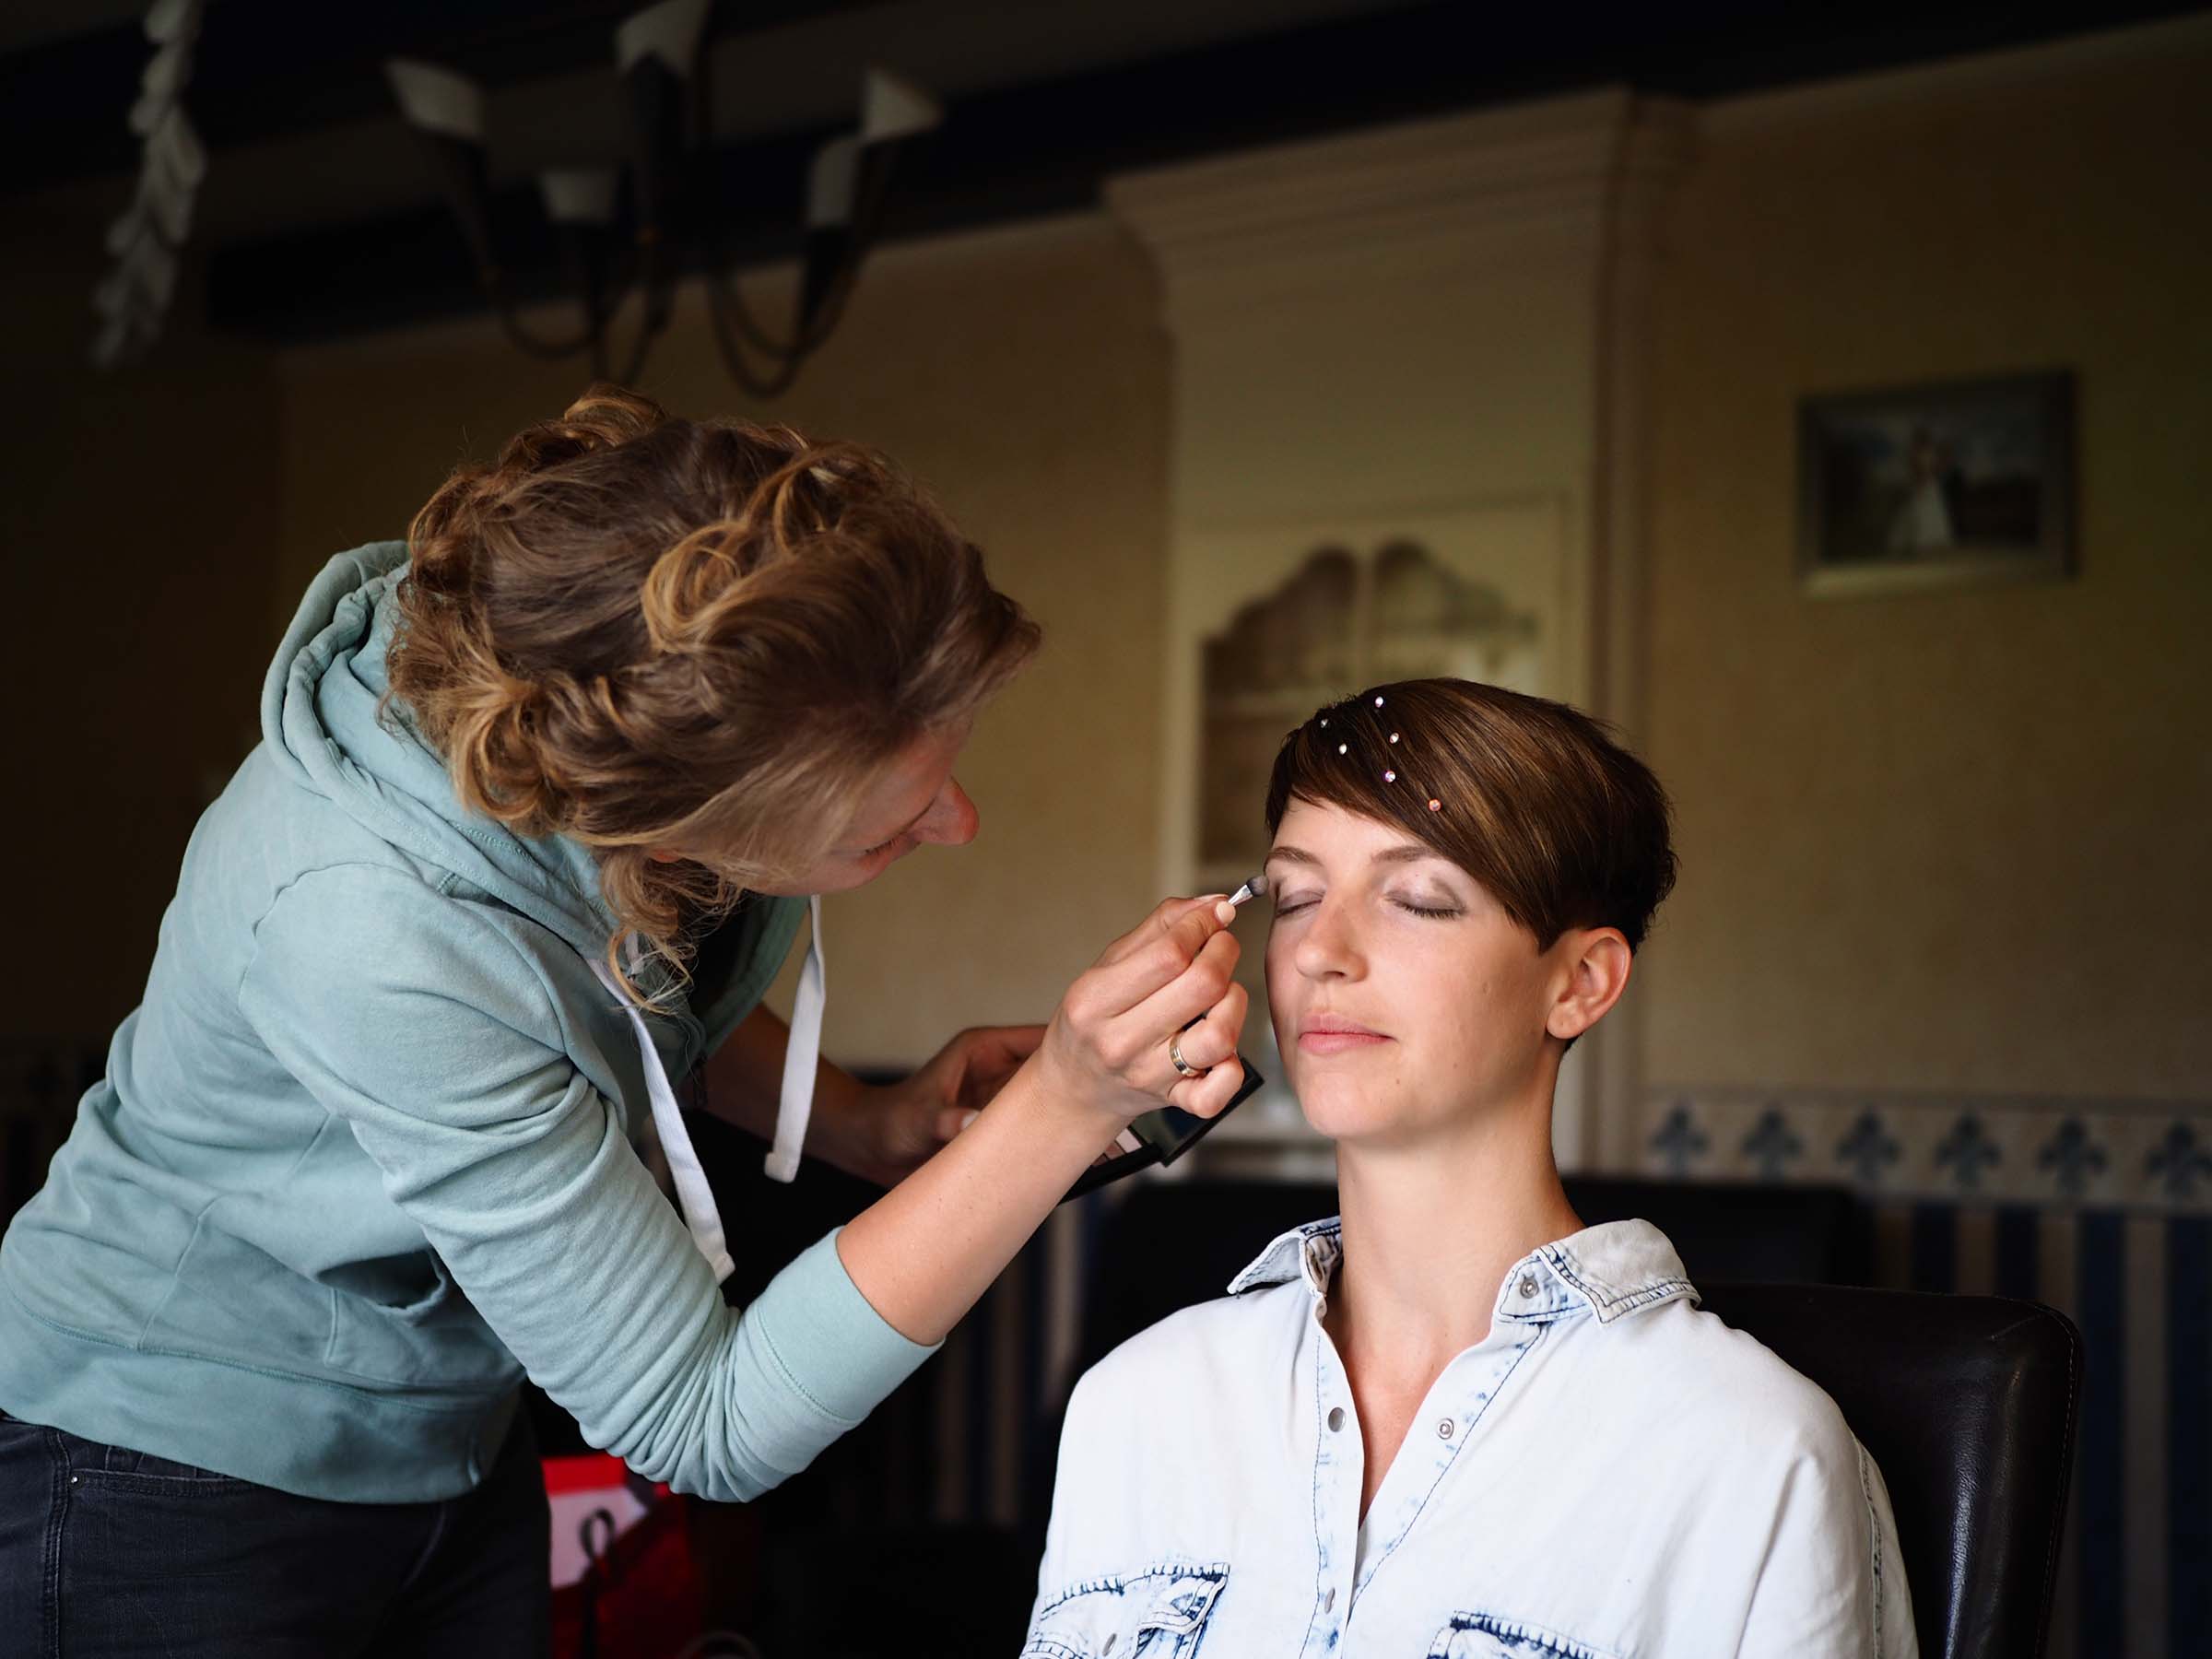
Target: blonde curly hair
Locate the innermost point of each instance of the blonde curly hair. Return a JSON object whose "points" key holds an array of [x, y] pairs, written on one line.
{"points": [[642, 633]]}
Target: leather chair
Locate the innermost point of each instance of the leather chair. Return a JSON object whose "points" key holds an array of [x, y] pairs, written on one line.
{"points": [[1170, 1243]]}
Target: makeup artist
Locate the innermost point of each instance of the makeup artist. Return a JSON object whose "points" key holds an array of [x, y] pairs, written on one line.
{"points": [[542, 796]]}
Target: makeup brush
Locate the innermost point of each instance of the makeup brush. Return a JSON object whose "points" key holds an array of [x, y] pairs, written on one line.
{"points": [[1256, 886], [1164, 1136]]}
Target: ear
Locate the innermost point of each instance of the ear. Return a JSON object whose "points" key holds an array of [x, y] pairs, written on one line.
{"points": [[1597, 961]]}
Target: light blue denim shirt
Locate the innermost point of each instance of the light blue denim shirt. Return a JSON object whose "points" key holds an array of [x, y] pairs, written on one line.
{"points": [[1610, 1474]]}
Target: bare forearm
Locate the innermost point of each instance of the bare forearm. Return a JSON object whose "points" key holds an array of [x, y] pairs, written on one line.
{"points": [[744, 1080], [927, 1248]]}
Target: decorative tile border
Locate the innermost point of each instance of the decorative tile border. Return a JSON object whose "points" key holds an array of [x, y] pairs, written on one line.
{"points": [[1986, 1149]]}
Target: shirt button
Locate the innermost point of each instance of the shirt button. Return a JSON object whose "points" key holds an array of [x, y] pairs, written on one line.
{"points": [[1329, 1600], [1335, 1418], [1528, 1284], [1444, 1428]]}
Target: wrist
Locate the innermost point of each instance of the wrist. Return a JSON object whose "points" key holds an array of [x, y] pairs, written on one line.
{"points": [[1079, 1100]]}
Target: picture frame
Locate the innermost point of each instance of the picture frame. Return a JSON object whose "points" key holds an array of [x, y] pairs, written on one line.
{"points": [[1944, 485]]}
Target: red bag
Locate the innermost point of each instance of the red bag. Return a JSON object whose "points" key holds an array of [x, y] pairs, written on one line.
{"points": [[625, 1585]]}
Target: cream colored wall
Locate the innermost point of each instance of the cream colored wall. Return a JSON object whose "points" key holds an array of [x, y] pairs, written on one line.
{"points": [[1943, 841], [1950, 840], [1022, 374], [138, 514]]}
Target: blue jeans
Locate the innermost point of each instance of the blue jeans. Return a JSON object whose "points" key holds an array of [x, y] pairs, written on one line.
{"points": [[105, 1552]]}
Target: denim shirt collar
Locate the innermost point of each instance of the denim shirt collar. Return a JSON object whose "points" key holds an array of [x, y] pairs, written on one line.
{"points": [[1612, 1270]]}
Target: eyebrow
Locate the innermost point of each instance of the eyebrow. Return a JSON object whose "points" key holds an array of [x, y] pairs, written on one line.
{"points": [[1402, 852]]}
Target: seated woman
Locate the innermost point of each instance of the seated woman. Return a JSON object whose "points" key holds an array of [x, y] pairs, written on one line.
{"points": [[1456, 1421]]}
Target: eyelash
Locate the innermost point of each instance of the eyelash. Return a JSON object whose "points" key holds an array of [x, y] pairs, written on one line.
{"points": [[1418, 910]]}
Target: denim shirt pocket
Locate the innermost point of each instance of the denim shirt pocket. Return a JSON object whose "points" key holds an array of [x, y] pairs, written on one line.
{"points": [[1489, 1636], [1155, 1612]]}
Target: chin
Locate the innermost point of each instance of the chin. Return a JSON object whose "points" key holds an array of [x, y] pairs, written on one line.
{"points": [[1340, 1110]]}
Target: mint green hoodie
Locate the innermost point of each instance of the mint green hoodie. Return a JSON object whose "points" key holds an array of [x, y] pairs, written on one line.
{"points": [[362, 1157]]}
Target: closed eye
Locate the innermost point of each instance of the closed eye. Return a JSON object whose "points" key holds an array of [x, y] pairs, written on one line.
{"points": [[1434, 911]]}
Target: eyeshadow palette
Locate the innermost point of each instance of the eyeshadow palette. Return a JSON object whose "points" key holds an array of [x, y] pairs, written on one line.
{"points": [[1160, 1138]]}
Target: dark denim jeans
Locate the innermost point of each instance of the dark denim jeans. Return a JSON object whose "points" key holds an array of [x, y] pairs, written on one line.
{"points": [[106, 1552]]}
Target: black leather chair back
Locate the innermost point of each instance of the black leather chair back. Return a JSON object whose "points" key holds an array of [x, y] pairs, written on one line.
{"points": [[1968, 1405], [1170, 1243]]}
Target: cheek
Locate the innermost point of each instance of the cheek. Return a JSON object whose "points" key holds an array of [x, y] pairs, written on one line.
{"points": [[1463, 1006], [1275, 980]]}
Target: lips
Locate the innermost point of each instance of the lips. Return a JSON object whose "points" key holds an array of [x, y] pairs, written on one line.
{"points": [[1334, 1034]]}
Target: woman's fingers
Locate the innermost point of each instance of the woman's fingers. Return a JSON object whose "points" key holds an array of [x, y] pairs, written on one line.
{"points": [[1160, 923], [1107, 1045], [1184, 998], [1209, 1096], [1113, 988], [1214, 1037]]}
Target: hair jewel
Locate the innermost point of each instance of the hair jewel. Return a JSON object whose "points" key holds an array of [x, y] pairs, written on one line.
{"points": [[1390, 773]]}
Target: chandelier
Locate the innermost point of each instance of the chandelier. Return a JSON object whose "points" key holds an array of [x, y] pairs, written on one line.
{"points": [[611, 254]]}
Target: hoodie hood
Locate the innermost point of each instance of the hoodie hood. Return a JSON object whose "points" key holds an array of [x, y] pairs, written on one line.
{"points": [[320, 718]]}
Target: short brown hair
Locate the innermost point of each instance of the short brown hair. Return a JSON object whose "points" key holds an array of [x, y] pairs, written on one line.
{"points": [[640, 632], [1559, 823]]}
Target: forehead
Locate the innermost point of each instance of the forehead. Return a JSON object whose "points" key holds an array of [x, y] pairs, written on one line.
{"points": [[1332, 835]]}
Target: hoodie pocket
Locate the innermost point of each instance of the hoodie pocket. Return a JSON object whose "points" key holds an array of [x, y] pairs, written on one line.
{"points": [[406, 1320], [1155, 1612]]}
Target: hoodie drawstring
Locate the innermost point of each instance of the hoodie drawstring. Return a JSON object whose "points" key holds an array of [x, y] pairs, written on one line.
{"points": [[801, 1060], [802, 1057]]}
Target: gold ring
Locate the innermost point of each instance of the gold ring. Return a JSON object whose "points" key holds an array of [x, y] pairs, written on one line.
{"points": [[1182, 1066]]}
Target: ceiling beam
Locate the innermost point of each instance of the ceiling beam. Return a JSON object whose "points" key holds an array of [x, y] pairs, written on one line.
{"points": [[1039, 149]]}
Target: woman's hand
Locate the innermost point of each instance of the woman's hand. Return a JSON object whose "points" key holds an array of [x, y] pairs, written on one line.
{"points": [[886, 1133], [1106, 1050], [923, 1252]]}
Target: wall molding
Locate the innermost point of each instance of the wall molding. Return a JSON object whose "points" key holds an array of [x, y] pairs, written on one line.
{"points": [[1396, 206]]}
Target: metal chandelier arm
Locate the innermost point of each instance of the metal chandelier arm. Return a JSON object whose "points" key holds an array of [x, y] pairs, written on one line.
{"points": [[664, 73], [722, 308]]}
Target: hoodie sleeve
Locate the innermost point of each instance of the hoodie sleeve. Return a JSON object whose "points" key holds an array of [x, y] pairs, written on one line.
{"points": [[418, 1021]]}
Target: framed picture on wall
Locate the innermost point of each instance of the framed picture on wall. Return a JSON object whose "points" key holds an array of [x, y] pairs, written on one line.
{"points": [[1942, 485]]}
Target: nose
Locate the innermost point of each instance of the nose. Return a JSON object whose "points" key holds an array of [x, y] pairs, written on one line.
{"points": [[951, 820], [1328, 947]]}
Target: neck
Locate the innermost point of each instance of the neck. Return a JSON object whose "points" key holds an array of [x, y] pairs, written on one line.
{"points": [[1429, 1231]]}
